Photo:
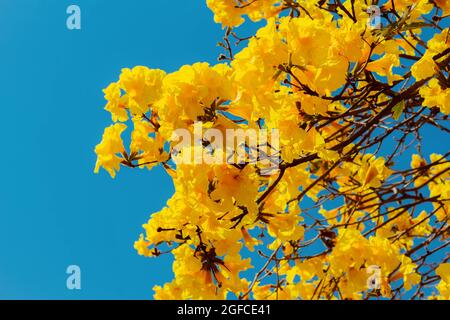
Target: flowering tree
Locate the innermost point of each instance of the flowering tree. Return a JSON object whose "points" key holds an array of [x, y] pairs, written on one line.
{"points": [[323, 207]]}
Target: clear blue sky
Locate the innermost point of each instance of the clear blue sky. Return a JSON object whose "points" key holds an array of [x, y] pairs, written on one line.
{"points": [[54, 211]]}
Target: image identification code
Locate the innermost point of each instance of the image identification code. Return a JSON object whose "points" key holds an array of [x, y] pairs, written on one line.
{"points": [[231, 309]]}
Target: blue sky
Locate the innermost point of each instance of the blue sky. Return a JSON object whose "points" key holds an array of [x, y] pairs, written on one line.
{"points": [[54, 211]]}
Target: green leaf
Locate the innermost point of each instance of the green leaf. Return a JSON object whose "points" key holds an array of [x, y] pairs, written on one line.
{"points": [[398, 110], [416, 25]]}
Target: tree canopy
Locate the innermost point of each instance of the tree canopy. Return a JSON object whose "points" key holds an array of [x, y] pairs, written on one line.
{"points": [[342, 93]]}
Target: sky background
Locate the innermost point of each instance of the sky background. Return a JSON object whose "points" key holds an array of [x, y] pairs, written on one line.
{"points": [[54, 211]]}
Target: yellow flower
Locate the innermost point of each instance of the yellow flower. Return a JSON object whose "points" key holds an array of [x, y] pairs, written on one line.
{"points": [[443, 271], [142, 87], [444, 5], [435, 96], [384, 66], [191, 94], [229, 12], [424, 68], [108, 149], [148, 150], [141, 246], [115, 103], [286, 227]]}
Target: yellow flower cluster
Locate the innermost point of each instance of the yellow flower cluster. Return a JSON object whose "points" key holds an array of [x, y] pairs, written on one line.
{"points": [[435, 94], [443, 271], [437, 179], [230, 12], [348, 264], [310, 73], [108, 149]]}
